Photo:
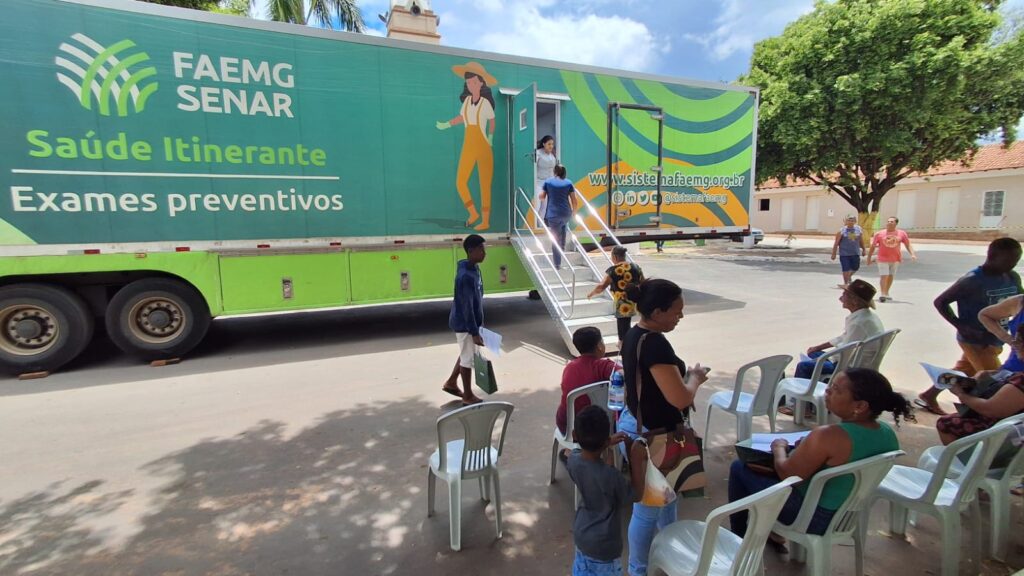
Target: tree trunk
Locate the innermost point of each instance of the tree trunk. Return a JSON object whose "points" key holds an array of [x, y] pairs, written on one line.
{"points": [[866, 220]]}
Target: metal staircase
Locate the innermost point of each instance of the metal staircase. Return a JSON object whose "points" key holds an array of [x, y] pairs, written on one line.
{"points": [[564, 292]]}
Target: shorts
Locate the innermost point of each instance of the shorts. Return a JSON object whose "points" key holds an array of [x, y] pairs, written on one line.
{"points": [[584, 565], [467, 349], [888, 268], [850, 263]]}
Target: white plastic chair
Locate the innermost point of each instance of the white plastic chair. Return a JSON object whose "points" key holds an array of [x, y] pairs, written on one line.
{"points": [[695, 548], [466, 451], [744, 405], [872, 350], [597, 393], [933, 493], [812, 390], [817, 549], [996, 483]]}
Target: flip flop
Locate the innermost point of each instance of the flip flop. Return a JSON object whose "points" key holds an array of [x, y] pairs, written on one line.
{"points": [[928, 408], [476, 401], [452, 391]]}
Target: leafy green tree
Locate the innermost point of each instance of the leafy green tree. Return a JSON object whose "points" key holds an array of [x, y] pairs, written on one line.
{"points": [[859, 94], [324, 13]]}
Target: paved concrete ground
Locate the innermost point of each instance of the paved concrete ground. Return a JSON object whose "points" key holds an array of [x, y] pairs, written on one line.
{"points": [[297, 444]]}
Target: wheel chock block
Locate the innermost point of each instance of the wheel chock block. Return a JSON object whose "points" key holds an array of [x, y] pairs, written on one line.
{"points": [[164, 362], [33, 375]]}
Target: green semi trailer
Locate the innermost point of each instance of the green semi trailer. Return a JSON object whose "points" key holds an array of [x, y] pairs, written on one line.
{"points": [[163, 167]]}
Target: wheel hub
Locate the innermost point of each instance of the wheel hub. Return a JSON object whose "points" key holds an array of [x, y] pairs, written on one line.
{"points": [[27, 329], [157, 319]]}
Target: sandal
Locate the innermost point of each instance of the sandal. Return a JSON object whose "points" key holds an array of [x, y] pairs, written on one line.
{"points": [[453, 391], [929, 408]]}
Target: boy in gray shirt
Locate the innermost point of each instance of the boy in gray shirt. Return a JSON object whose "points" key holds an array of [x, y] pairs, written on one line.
{"points": [[597, 529]]}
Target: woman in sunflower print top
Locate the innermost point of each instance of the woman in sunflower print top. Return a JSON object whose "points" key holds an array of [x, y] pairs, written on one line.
{"points": [[621, 274]]}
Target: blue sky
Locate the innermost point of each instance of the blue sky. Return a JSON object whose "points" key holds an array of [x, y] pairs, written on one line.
{"points": [[708, 40], [700, 39]]}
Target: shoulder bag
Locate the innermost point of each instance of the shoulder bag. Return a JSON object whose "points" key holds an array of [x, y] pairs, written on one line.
{"points": [[676, 452]]}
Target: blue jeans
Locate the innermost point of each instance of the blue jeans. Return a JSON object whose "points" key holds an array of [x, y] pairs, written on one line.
{"points": [[743, 482], [646, 520], [584, 565], [805, 368], [558, 227]]}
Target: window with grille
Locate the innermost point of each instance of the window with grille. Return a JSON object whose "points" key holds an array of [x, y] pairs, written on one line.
{"points": [[993, 203]]}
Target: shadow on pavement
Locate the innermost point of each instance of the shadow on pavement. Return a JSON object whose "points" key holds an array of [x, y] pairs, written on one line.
{"points": [[346, 495]]}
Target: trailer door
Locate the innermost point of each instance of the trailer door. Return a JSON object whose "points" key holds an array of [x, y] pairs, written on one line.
{"points": [[524, 148], [634, 171]]}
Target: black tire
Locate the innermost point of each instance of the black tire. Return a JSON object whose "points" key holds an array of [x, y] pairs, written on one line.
{"points": [[42, 327], [157, 318]]}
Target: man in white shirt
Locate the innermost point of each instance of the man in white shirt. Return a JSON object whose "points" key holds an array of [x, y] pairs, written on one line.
{"points": [[862, 323]]}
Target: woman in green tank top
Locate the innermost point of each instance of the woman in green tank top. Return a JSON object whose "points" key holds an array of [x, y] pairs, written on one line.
{"points": [[858, 397]]}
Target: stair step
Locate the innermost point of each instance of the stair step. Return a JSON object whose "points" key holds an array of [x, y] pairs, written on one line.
{"points": [[584, 307], [588, 321]]}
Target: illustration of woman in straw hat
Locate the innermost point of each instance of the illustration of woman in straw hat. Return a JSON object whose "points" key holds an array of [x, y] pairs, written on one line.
{"points": [[477, 114]]}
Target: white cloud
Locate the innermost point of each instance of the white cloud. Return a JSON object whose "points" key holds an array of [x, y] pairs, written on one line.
{"points": [[741, 23], [522, 29]]}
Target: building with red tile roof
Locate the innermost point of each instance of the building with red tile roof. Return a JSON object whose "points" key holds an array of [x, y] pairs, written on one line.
{"points": [[980, 197]]}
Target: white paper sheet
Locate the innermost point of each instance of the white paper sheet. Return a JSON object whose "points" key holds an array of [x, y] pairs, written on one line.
{"points": [[763, 442], [934, 372], [492, 341]]}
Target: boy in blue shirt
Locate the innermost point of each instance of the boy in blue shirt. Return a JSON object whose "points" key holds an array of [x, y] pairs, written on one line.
{"points": [[988, 284], [597, 528], [850, 246], [466, 318]]}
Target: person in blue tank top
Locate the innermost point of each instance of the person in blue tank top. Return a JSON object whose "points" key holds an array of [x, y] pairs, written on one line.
{"points": [[858, 397], [988, 284], [560, 195], [850, 246], [993, 318]]}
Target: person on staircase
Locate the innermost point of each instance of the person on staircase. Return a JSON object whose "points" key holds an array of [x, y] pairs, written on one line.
{"points": [[619, 276], [560, 195]]}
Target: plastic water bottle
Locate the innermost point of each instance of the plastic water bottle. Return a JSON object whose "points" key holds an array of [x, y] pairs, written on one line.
{"points": [[617, 390]]}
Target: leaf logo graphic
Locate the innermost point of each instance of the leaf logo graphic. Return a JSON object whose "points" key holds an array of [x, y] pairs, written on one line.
{"points": [[106, 77]]}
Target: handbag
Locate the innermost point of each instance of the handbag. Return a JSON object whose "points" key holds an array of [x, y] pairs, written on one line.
{"points": [[657, 491], [677, 452], [484, 373]]}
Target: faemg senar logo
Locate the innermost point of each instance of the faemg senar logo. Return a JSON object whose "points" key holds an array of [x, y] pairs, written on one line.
{"points": [[106, 77]]}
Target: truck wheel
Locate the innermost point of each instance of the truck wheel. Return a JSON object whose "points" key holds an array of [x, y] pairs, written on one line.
{"points": [[42, 327], [157, 318]]}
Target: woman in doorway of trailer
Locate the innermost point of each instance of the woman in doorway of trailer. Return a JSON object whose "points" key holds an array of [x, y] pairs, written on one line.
{"points": [[546, 162], [560, 196], [477, 114]]}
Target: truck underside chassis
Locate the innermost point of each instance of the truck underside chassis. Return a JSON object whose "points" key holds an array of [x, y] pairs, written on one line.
{"points": [[45, 325]]}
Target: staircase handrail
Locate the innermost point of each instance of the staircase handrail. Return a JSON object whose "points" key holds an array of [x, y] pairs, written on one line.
{"points": [[570, 292], [608, 232]]}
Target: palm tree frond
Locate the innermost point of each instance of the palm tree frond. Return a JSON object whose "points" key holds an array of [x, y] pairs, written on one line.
{"points": [[324, 12], [286, 11]]}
